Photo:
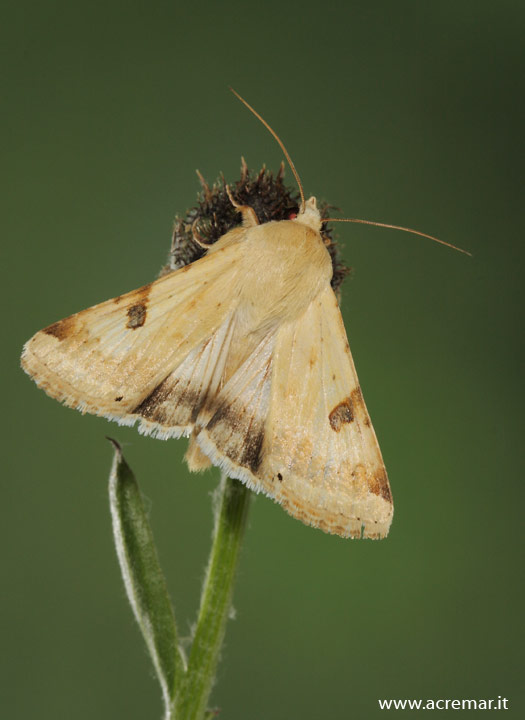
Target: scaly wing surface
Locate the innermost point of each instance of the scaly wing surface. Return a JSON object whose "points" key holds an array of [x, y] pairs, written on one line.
{"points": [[292, 423], [153, 354]]}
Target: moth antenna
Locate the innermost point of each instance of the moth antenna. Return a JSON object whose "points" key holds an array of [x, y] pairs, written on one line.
{"points": [[398, 227], [281, 145]]}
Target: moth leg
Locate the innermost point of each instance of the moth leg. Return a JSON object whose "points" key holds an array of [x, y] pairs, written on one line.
{"points": [[197, 461], [249, 218], [197, 238]]}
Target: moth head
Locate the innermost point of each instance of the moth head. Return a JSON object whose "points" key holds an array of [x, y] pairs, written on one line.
{"points": [[309, 215]]}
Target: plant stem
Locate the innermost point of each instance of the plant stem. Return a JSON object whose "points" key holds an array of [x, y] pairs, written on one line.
{"points": [[230, 521]]}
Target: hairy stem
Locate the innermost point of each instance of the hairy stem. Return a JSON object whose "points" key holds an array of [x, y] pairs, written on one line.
{"points": [[230, 521]]}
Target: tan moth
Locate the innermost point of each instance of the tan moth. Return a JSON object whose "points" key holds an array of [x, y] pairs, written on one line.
{"points": [[244, 351]]}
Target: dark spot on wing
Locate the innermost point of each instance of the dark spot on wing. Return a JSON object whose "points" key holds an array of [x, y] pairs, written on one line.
{"points": [[138, 309], [252, 456], [348, 410], [251, 453], [63, 328], [170, 405], [341, 414], [150, 408], [379, 485], [279, 477], [136, 316], [219, 415], [119, 398]]}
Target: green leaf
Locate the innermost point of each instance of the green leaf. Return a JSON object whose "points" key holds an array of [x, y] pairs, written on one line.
{"points": [[143, 578]]}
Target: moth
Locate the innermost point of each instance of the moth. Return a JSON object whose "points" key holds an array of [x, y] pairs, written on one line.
{"points": [[244, 351]]}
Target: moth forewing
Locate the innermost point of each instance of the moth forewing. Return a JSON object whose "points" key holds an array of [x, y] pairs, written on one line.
{"points": [[317, 452], [108, 359]]}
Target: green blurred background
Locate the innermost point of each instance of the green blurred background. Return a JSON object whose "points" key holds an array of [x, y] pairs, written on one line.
{"points": [[407, 112]]}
